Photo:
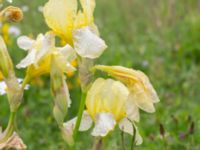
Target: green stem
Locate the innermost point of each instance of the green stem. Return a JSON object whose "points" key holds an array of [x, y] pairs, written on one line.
{"points": [[133, 139], [10, 128], [25, 82], [80, 113], [122, 140]]}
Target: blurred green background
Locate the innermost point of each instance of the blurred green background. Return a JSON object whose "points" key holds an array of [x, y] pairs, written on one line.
{"points": [[159, 37]]}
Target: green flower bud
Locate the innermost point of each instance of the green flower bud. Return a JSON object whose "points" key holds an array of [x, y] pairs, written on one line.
{"points": [[6, 65], [60, 92]]}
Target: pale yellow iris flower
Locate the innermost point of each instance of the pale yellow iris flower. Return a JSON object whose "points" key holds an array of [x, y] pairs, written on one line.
{"points": [[63, 16], [40, 52], [142, 94], [106, 106], [75, 26]]}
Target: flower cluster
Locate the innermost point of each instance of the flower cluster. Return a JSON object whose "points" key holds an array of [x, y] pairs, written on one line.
{"points": [[105, 102]]}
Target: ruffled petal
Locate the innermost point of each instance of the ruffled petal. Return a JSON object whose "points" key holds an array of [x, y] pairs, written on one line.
{"points": [[105, 123], [87, 44], [25, 42], [126, 126]]}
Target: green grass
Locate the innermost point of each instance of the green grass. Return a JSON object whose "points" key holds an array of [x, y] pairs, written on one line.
{"points": [[161, 38]]}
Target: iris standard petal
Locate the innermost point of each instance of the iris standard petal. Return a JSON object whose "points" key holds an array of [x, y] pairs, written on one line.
{"points": [[88, 9], [59, 16]]}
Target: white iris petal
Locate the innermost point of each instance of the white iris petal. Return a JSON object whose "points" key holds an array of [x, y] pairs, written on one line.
{"points": [[86, 123], [126, 126], [25, 42], [87, 44], [28, 60], [3, 87], [105, 123]]}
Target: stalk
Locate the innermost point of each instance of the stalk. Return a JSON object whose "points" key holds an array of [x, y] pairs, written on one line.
{"points": [[80, 113], [10, 128]]}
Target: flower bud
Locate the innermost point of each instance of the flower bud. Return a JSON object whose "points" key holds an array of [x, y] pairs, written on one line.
{"points": [[6, 68], [60, 92], [6, 65], [12, 13]]}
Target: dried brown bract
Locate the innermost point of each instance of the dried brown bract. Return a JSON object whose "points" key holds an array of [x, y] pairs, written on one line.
{"points": [[11, 13]]}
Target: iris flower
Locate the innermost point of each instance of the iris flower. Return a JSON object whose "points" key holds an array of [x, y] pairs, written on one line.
{"points": [[106, 106], [141, 92], [39, 55], [75, 26]]}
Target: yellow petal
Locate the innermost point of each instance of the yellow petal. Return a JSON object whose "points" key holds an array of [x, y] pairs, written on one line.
{"points": [[93, 98], [141, 90], [59, 16], [1, 76], [107, 96], [88, 9], [42, 68], [80, 21]]}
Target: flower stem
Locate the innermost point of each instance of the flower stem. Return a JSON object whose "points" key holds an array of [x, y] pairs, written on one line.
{"points": [[133, 139], [122, 140], [10, 128], [25, 82], [80, 113]]}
